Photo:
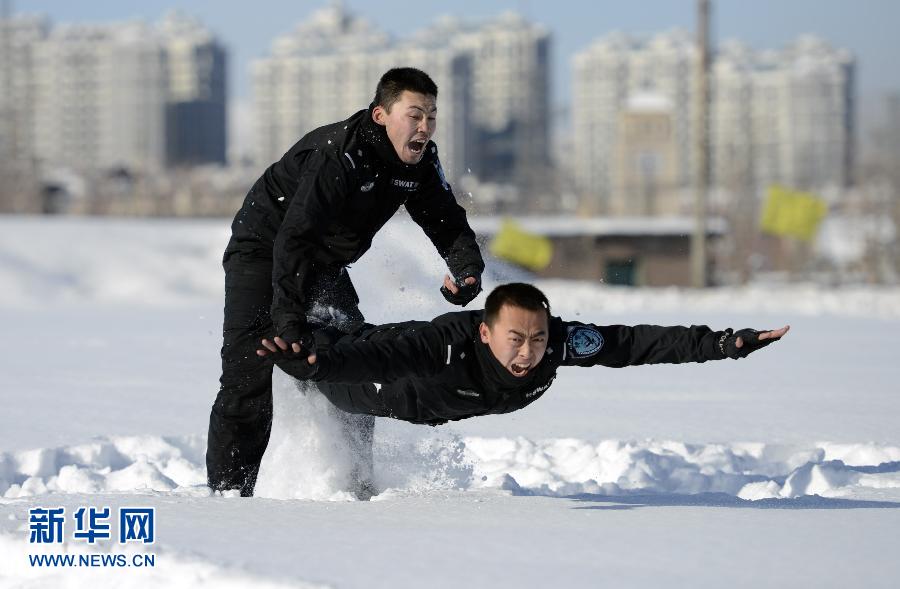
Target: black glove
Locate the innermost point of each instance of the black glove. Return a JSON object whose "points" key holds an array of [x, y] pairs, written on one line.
{"points": [[296, 365], [299, 333], [466, 293], [750, 337]]}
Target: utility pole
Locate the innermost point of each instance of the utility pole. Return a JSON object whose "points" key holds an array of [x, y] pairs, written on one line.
{"points": [[701, 149]]}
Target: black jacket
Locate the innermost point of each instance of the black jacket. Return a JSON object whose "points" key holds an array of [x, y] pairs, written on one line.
{"points": [[432, 372], [322, 203]]}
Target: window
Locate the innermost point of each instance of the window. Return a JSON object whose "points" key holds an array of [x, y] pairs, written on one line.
{"points": [[620, 272]]}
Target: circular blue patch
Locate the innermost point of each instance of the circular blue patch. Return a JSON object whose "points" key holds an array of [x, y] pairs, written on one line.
{"points": [[584, 341]]}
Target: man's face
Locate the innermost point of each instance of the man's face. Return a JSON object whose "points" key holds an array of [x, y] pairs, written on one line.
{"points": [[518, 338], [409, 124]]}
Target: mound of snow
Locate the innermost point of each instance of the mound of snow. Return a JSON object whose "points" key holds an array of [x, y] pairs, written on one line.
{"points": [[114, 464], [306, 461]]}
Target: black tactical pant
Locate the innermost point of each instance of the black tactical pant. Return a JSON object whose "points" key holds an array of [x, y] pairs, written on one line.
{"points": [[241, 418]]}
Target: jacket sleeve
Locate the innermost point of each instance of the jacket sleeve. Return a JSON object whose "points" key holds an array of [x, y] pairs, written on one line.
{"points": [[414, 351], [617, 346], [436, 211], [320, 196]]}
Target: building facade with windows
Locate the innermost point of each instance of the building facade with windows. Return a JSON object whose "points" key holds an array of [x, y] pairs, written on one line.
{"points": [[782, 117], [617, 75], [18, 38], [95, 98], [197, 96], [492, 82], [100, 98]]}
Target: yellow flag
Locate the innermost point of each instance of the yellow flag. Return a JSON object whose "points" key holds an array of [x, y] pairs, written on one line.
{"points": [[518, 246], [793, 213]]}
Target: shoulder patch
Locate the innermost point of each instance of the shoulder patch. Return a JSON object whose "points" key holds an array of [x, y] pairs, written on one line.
{"points": [[584, 341]]}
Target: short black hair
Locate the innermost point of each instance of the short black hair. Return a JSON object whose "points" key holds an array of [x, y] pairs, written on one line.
{"points": [[516, 294], [395, 81]]}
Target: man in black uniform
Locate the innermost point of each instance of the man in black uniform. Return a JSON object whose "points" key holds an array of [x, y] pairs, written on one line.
{"points": [[307, 218], [499, 360]]}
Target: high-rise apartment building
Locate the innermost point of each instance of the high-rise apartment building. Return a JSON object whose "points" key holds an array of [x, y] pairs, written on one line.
{"points": [[327, 69], [887, 136], [776, 117], [321, 72], [492, 80], [510, 93], [18, 36], [783, 116], [645, 165], [617, 75], [94, 98], [100, 98], [196, 98]]}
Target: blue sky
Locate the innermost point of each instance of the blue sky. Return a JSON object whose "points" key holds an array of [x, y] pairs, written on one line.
{"points": [[867, 27]]}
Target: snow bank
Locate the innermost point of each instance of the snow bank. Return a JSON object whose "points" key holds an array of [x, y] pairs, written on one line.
{"points": [[73, 260], [749, 471], [104, 465], [556, 467], [164, 262], [154, 262]]}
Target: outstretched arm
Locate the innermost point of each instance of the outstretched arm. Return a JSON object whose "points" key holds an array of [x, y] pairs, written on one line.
{"points": [[410, 350], [622, 345]]}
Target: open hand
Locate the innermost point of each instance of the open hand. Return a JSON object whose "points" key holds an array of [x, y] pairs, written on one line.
{"points": [[764, 335], [742, 343]]}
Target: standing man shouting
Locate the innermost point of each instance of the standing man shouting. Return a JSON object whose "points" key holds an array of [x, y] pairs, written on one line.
{"points": [[310, 215]]}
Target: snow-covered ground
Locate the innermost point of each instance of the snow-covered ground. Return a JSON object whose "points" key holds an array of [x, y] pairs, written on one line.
{"points": [[782, 470]]}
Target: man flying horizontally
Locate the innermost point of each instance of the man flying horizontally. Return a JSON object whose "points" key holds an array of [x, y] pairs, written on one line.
{"points": [[469, 363]]}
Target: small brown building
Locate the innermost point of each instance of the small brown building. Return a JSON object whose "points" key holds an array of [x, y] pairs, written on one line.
{"points": [[633, 251]]}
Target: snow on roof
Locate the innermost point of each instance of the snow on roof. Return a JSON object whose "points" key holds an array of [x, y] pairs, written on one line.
{"points": [[562, 226]]}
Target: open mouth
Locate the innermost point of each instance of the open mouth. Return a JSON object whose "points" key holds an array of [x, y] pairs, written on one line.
{"points": [[416, 146], [519, 369]]}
